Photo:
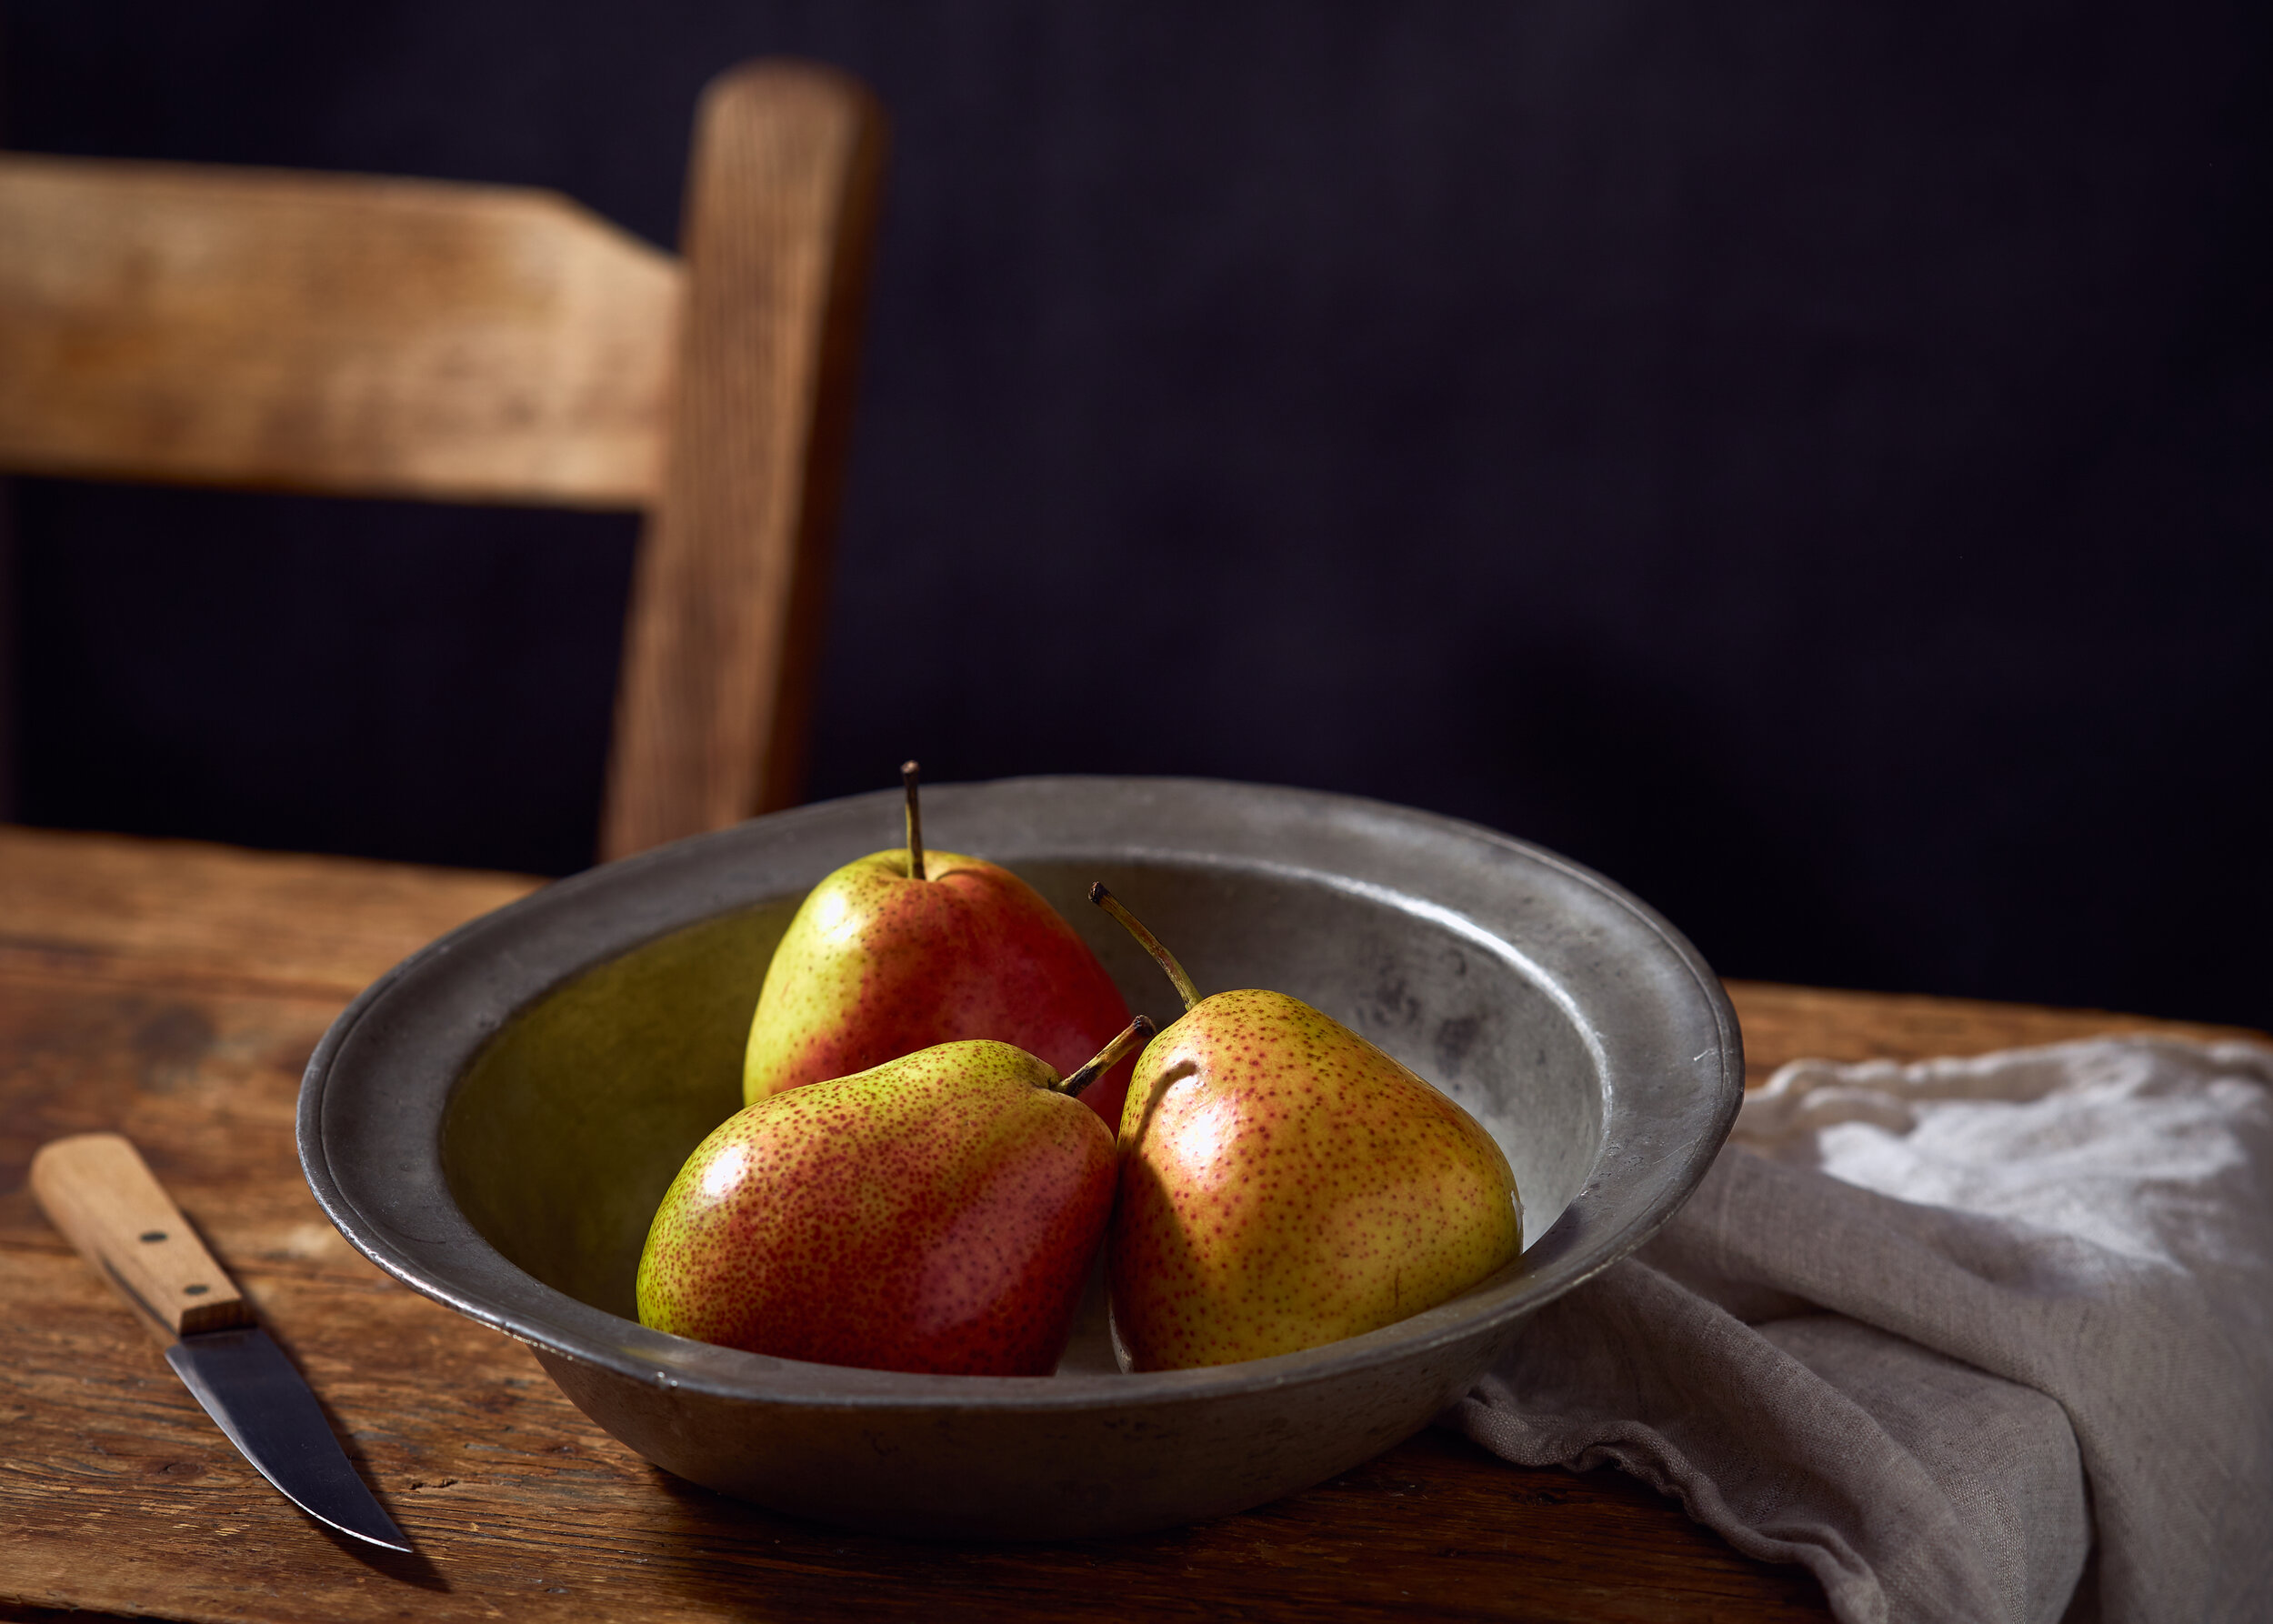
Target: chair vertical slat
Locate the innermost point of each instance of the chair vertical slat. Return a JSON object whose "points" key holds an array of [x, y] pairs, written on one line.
{"points": [[723, 634]]}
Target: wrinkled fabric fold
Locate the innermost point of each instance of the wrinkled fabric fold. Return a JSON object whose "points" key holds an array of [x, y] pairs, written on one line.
{"points": [[1937, 1332]]}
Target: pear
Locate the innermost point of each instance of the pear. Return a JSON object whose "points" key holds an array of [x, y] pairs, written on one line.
{"points": [[1284, 1183], [906, 948], [937, 1213]]}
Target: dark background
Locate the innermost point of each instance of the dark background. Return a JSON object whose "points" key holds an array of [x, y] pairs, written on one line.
{"points": [[1809, 461]]}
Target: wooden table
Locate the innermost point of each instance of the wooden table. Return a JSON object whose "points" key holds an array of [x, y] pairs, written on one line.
{"points": [[173, 991]]}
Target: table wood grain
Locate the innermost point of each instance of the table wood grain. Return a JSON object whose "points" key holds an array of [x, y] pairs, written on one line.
{"points": [[173, 991]]}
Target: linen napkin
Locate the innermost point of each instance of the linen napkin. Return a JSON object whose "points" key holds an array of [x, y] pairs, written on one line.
{"points": [[1942, 1332]]}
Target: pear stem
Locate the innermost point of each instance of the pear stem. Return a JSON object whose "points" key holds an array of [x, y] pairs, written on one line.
{"points": [[1136, 1028], [1147, 940], [915, 823]]}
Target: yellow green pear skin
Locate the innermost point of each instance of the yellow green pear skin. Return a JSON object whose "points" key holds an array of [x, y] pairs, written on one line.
{"points": [[1284, 1183]]}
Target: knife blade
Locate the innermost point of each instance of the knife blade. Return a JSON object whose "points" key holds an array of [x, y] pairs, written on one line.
{"points": [[96, 1188]]}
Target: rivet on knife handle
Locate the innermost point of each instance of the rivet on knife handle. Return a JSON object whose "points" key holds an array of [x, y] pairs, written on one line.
{"points": [[96, 1188]]}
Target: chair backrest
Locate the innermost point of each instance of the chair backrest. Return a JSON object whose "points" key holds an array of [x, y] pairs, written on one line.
{"points": [[367, 337]]}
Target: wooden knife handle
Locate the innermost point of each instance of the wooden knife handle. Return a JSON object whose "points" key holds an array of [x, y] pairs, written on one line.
{"points": [[96, 1188]]}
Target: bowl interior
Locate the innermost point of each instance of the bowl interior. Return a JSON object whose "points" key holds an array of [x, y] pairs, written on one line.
{"points": [[569, 1123]]}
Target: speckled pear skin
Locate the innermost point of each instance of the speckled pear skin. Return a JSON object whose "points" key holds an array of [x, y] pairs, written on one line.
{"points": [[1284, 1183], [876, 966], [937, 1213]]}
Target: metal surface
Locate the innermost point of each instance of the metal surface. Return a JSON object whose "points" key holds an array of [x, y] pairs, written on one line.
{"points": [[254, 1394], [494, 1120]]}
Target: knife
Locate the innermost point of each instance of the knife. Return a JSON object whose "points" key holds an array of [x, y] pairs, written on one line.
{"points": [[96, 1188]]}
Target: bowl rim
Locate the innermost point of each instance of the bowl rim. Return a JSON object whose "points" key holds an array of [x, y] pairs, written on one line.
{"points": [[443, 1257]]}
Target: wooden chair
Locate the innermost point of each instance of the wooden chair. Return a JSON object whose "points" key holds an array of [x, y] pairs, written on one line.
{"points": [[365, 336]]}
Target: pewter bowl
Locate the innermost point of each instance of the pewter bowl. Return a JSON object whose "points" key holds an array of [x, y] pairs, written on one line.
{"points": [[494, 1121]]}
